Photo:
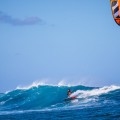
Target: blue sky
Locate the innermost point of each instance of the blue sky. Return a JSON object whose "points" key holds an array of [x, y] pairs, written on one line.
{"points": [[77, 41]]}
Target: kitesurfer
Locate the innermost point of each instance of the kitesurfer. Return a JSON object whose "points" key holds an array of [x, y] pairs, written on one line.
{"points": [[69, 92]]}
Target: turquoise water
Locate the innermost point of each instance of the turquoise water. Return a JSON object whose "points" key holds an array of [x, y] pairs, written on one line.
{"points": [[47, 102]]}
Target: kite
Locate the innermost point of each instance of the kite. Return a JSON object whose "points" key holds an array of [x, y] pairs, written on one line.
{"points": [[115, 6]]}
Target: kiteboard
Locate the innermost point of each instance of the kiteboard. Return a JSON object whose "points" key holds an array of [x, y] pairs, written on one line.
{"points": [[70, 98]]}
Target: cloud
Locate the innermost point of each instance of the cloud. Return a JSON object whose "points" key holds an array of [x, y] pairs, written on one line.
{"points": [[5, 18]]}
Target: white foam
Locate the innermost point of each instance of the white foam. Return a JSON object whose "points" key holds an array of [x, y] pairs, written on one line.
{"points": [[63, 83], [95, 92], [34, 84], [42, 83], [7, 92]]}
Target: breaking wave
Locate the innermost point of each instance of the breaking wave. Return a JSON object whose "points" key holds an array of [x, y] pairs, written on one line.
{"points": [[41, 96]]}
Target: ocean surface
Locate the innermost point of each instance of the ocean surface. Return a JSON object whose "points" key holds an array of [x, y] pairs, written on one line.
{"points": [[43, 102]]}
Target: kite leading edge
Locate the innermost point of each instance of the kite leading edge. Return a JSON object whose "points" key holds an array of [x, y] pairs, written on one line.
{"points": [[115, 6]]}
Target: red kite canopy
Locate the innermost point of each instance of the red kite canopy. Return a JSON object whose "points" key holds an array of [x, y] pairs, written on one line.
{"points": [[115, 6]]}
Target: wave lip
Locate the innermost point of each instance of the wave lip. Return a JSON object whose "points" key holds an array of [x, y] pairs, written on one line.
{"points": [[43, 83]]}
